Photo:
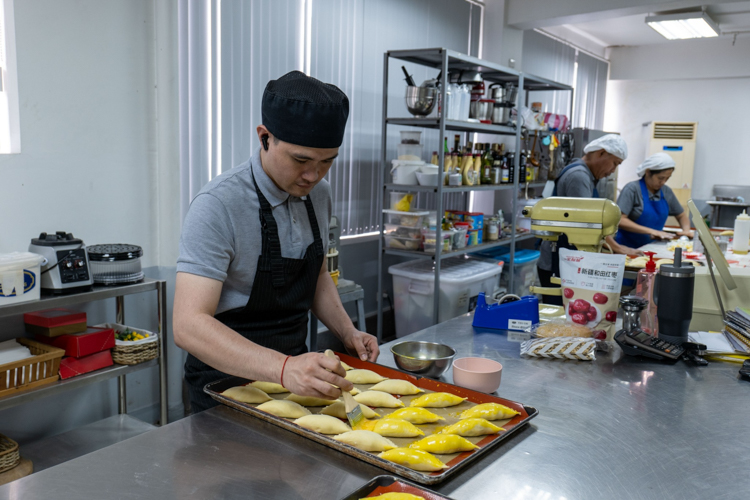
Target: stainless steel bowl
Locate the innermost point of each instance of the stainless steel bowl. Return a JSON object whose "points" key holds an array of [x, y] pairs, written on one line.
{"points": [[429, 359], [421, 100]]}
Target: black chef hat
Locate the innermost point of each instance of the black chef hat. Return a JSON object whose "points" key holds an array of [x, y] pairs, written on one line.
{"points": [[304, 111]]}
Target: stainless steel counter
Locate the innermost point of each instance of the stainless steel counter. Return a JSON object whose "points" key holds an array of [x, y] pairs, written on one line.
{"points": [[616, 428]]}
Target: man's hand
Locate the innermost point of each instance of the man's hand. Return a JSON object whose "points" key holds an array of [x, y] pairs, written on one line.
{"points": [[689, 234], [362, 345], [631, 251], [661, 235], [315, 374]]}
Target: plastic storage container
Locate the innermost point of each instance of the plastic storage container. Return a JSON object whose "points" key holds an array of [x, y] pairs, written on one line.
{"points": [[117, 263], [410, 152], [430, 240], [525, 273], [405, 172], [401, 201], [402, 231], [409, 219], [19, 277], [401, 243], [411, 137], [461, 281]]}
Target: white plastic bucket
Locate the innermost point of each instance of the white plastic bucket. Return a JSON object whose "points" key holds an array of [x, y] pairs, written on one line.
{"points": [[405, 172], [461, 281], [19, 277]]}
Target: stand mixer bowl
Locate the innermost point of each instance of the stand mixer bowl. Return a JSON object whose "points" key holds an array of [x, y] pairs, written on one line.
{"points": [[420, 101]]}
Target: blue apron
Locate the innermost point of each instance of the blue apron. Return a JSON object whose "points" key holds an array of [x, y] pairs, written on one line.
{"points": [[654, 216], [575, 163]]}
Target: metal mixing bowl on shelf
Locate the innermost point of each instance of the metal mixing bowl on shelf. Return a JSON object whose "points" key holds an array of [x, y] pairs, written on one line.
{"points": [[429, 359], [421, 100]]}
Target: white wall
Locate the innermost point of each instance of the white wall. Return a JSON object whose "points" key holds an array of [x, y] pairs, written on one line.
{"points": [[88, 104], [694, 80]]}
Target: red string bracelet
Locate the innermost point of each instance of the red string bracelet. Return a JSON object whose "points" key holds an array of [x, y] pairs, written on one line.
{"points": [[282, 371]]}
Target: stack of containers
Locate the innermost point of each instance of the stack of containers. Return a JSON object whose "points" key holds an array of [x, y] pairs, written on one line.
{"points": [[86, 348], [524, 268]]}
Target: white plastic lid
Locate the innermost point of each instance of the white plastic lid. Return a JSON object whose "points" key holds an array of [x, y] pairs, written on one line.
{"points": [[451, 271], [19, 260], [398, 212], [407, 163], [743, 216]]}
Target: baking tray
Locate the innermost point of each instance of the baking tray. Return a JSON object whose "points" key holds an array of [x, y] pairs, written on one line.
{"points": [[455, 461], [387, 484]]}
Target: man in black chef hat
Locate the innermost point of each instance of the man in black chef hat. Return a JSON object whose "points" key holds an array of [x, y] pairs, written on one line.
{"points": [[252, 255]]}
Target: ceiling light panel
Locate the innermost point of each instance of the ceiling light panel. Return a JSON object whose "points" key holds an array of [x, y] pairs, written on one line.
{"points": [[683, 26]]}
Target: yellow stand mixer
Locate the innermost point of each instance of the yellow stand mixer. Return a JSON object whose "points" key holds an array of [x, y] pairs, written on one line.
{"points": [[585, 221]]}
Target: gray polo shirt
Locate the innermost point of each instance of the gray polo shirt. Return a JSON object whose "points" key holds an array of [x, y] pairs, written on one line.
{"points": [[221, 235], [578, 182], [631, 200]]}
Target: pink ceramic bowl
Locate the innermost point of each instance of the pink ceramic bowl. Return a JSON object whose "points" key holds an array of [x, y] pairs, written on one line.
{"points": [[479, 374]]}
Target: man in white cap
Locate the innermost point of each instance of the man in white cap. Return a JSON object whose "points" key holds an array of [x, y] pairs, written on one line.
{"points": [[646, 203], [578, 180]]}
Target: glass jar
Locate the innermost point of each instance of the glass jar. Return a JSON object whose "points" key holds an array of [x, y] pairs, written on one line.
{"points": [[492, 227]]}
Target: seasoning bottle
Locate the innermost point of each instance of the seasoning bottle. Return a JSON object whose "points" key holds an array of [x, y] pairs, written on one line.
{"points": [[741, 233], [496, 173], [491, 226], [505, 172], [434, 159], [644, 288]]}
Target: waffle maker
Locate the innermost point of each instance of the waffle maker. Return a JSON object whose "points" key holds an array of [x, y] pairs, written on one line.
{"points": [[66, 269]]}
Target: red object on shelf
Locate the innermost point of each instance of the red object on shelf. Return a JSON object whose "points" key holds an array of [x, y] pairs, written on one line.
{"points": [[71, 367], [78, 345], [54, 322]]}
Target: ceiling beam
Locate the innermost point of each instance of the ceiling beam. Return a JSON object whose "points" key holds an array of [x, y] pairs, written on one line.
{"points": [[530, 14]]}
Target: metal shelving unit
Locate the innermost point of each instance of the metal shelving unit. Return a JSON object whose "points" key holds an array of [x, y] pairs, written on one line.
{"points": [[114, 371], [451, 61]]}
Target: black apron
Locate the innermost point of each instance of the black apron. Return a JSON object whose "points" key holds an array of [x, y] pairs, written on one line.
{"points": [[276, 313]]}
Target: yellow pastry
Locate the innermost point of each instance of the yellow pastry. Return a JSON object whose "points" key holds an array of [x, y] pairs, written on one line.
{"points": [[392, 427], [366, 440], [437, 400], [246, 394], [324, 424], [472, 427], [378, 399], [392, 495], [443, 444], [284, 409], [269, 387], [413, 459], [363, 377], [309, 400], [394, 386], [338, 410], [346, 367], [489, 411], [416, 415]]}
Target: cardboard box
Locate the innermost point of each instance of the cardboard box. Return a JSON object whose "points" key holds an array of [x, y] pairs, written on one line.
{"points": [[55, 322], [77, 345], [71, 367]]}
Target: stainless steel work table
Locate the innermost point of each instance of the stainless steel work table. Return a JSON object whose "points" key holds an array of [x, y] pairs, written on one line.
{"points": [[614, 428]]}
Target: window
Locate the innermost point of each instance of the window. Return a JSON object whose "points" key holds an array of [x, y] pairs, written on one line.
{"points": [[10, 136]]}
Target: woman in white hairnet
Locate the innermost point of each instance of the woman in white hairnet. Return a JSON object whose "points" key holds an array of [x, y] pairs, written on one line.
{"points": [[578, 180], [646, 203]]}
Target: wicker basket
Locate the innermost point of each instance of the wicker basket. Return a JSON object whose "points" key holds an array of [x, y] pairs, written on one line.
{"points": [[132, 353], [29, 373], [9, 454]]}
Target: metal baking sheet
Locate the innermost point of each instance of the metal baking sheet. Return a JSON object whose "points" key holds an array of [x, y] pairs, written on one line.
{"points": [[387, 484], [455, 461]]}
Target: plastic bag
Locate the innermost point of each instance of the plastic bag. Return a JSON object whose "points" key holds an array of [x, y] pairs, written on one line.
{"points": [[560, 348], [591, 284], [559, 327]]}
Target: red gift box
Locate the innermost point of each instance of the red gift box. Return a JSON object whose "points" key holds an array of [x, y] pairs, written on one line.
{"points": [[71, 367], [54, 322], [77, 345]]}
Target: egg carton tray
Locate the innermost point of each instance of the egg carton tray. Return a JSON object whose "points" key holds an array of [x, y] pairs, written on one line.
{"points": [[455, 462]]}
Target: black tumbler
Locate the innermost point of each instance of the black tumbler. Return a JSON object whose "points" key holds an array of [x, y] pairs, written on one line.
{"points": [[673, 295]]}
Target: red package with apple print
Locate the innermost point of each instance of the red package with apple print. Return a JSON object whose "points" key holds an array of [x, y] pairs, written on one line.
{"points": [[591, 284]]}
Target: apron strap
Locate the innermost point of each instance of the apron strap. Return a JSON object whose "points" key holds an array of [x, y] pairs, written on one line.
{"points": [[270, 237], [314, 225]]}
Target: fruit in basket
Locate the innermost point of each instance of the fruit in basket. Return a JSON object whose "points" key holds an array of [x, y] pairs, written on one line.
{"points": [[489, 411], [437, 400], [472, 427], [129, 335], [443, 444], [414, 459]]}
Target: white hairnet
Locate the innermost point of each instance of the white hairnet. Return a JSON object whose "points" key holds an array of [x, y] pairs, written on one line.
{"points": [[655, 162], [611, 143]]}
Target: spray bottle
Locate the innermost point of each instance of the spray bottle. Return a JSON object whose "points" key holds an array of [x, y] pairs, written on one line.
{"points": [[644, 288]]}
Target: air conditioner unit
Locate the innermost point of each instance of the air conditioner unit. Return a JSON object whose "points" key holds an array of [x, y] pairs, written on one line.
{"points": [[677, 139]]}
